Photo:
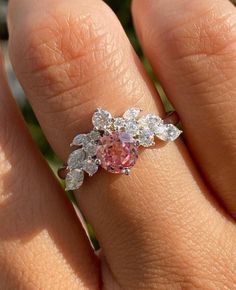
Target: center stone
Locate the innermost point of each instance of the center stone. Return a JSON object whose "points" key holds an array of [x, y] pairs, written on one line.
{"points": [[117, 152]]}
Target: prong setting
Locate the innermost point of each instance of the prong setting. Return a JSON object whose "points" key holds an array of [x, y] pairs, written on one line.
{"points": [[98, 161], [126, 171]]}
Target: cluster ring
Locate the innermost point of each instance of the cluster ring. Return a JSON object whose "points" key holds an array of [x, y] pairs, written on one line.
{"points": [[113, 143]]}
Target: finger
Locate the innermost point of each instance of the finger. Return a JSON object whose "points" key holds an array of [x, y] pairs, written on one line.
{"points": [[191, 46], [60, 54], [75, 58], [39, 247]]}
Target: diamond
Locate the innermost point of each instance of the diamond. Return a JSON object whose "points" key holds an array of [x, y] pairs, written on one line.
{"points": [[76, 159], [90, 148], [119, 123], [79, 140], [115, 154], [74, 179], [168, 132], [94, 135], [90, 166], [101, 119], [132, 128], [132, 113], [151, 122], [146, 138]]}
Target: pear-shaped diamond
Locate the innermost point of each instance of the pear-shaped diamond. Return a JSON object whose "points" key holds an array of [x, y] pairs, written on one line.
{"points": [[90, 166], [132, 113], [79, 140]]}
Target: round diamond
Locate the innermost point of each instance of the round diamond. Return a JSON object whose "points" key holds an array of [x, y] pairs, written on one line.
{"points": [[74, 179], [119, 123], [76, 159], [115, 154], [132, 128], [146, 138], [102, 119], [151, 122]]}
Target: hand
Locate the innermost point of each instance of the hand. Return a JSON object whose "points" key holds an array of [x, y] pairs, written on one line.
{"points": [[171, 223]]}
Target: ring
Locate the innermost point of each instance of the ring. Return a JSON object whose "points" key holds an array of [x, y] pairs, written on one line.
{"points": [[113, 143]]}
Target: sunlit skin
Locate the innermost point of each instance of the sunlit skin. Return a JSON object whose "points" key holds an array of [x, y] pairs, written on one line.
{"points": [[170, 224]]}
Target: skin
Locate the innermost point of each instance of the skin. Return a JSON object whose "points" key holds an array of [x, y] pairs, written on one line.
{"points": [[171, 223]]}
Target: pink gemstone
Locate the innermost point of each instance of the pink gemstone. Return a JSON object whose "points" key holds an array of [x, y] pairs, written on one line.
{"points": [[117, 152]]}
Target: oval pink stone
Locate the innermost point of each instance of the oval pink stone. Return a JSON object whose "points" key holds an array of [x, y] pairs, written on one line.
{"points": [[117, 152]]}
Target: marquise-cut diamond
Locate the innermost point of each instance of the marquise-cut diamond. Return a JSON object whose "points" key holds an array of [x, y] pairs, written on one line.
{"points": [[151, 122], [74, 179], [76, 159], [132, 113], [79, 140], [90, 166], [146, 138], [101, 119], [168, 132]]}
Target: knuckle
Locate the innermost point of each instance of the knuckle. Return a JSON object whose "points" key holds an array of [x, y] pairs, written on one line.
{"points": [[212, 41], [204, 48], [209, 47], [68, 50], [211, 33]]}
